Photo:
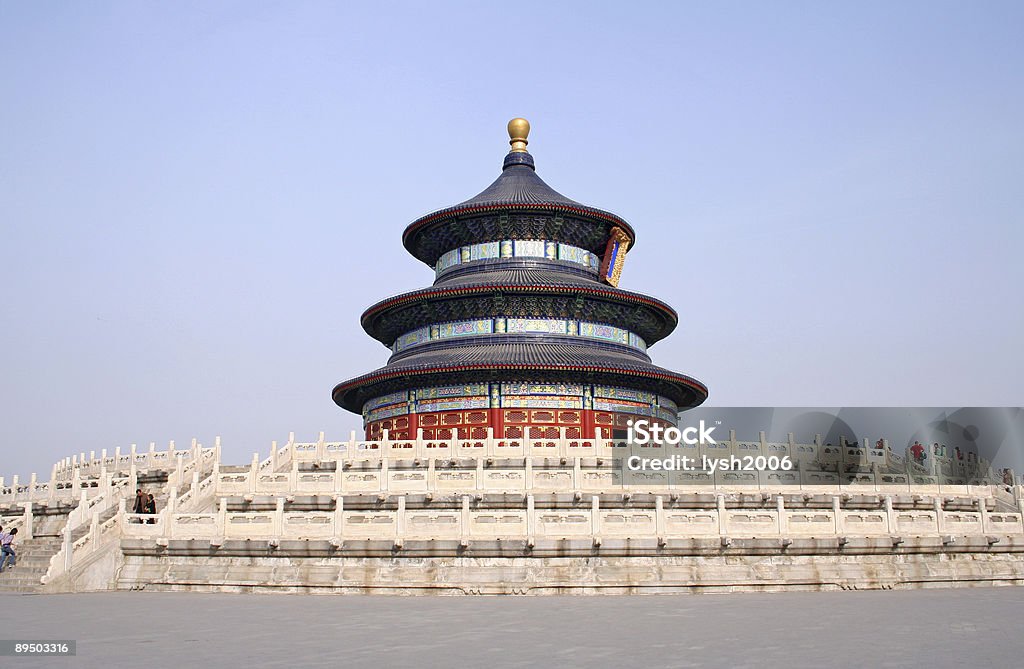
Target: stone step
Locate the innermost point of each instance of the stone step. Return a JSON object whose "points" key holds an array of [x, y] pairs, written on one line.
{"points": [[37, 550], [27, 568], [6, 583], [16, 579], [29, 560]]}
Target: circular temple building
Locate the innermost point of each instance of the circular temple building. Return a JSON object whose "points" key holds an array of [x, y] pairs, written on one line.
{"points": [[524, 332]]}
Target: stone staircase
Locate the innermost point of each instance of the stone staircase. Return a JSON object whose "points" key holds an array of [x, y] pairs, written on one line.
{"points": [[33, 560]]}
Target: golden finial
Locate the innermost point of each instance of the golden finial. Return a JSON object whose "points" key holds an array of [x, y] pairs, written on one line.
{"points": [[518, 131]]}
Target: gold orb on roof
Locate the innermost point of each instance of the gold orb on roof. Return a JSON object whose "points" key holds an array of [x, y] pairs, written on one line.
{"points": [[518, 131]]}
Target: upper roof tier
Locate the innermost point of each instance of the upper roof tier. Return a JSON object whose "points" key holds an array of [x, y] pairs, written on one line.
{"points": [[497, 213]]}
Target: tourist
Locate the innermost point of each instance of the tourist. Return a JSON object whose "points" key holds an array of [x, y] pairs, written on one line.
{"points": [[7, 549], [917, 450], [151, 509], [140, 501]]}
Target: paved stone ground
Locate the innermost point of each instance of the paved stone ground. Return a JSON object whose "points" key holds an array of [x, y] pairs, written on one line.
{"points": [[976, 626]]}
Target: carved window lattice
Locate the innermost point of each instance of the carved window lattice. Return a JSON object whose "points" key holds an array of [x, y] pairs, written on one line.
{"points": [[515, 416]]}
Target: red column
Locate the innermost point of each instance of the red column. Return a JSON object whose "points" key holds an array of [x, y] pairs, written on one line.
{"points": [[414, 423], [494, 420], [588, 424]]}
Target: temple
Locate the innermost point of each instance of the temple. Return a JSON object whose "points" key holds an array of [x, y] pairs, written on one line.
{"points": [[492, 463], [524, 333]]}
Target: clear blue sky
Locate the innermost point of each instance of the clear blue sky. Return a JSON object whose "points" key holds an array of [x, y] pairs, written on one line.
{"points": [[198, 200]]}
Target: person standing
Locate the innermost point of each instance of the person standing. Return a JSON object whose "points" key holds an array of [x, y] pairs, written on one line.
{"points": [[140, 501], [151, 508], [7, 553]]}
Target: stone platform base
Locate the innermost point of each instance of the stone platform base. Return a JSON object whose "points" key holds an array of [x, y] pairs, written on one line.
{"points": [[694, 569]]}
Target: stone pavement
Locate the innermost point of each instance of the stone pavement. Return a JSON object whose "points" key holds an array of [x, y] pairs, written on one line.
{"points": [[975, 626]]}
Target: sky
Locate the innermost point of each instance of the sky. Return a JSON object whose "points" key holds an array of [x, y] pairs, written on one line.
{"points": [[198, 200]]}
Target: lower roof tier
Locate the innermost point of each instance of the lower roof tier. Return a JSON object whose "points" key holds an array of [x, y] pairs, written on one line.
{"points": [[512, 362]]}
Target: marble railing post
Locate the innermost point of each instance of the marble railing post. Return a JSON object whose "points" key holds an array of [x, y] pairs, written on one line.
{"points": [[279, 517], [659, 519], [720, 505], [52, 488], [321, 452], [254, 471], [339, 515], [273, 456], [464, 521], [94, 530], [595, 518], [890, 514], [780, 510], [26, 528], [222, 516], [986, 525], [339, 477], [178, 471], [68, 545], [531, 520], [384, 483], [837, 511], [400, 521], [940, 519]]}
